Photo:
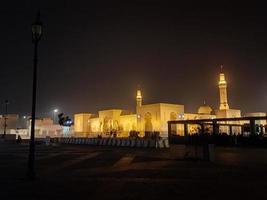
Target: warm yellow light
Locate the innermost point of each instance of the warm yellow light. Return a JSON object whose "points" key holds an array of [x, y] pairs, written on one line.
{"points": [[139, 95], [222, 79]]}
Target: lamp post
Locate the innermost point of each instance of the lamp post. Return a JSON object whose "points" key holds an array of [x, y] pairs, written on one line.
{"points": [[54, 113], [5, 122], [36, 36]]}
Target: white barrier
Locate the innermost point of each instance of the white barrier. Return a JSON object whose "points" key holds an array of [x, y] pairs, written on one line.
{"points": [[90, 141], [109, 142], [105, 140], [138, 143], [166, 143], [76, 141], [133, 143], [114, 141], [128, 142], [145, 144], [152, 143], [120, 142], [123, 144], [160, 144], [83, 140], [87, 140], [96, 141]]}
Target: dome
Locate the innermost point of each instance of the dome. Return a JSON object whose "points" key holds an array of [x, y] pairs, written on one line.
{"points": [[204, 109]]}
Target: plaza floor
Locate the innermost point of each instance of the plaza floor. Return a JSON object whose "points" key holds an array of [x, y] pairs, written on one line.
{"points": [[92, 172]]}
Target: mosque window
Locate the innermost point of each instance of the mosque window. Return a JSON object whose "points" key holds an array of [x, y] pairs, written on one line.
{"points": [[173, 116]]}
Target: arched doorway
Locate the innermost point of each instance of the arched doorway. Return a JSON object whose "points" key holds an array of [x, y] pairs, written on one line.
{"points": [[148, 123]]}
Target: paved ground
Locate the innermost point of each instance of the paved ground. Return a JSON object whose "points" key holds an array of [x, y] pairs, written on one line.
{"points": [[86, 172]]}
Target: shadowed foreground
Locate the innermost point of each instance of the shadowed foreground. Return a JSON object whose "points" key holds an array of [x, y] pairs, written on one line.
{"points": [[86, 172]]}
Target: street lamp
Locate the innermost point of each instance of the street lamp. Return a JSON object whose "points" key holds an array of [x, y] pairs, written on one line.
{"points": [[54, 113], [36, 36], [5, 118]]}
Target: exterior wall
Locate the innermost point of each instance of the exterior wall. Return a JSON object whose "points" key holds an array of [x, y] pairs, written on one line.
{"points": [[43, 121], [81, 127], [52, 130], [45, 127], [257, 114], [188, 116], [154, 117], [112, 120], [94, 124], [109, 120], [169, 112], [148, 118], [230, 113], [127, 123]]}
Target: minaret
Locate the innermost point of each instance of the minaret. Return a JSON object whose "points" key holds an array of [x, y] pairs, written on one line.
{"points": [[223, 91], [138, 98]]}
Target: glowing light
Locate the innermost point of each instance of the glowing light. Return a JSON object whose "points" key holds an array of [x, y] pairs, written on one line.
{"points": [[139, 98], [139, 95]]}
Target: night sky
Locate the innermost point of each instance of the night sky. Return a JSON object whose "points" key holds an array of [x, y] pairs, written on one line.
{"points": [[94, 55]]}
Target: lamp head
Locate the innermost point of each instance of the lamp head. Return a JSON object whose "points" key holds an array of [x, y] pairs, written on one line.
{"points": [[37, 28]]}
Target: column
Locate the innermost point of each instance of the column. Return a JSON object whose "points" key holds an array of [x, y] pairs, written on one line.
{"points": [[185, 129], [215, 127], [252, 126]]}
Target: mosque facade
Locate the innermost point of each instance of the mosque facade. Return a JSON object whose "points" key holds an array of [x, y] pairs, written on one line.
{"points": [[153, 117]]}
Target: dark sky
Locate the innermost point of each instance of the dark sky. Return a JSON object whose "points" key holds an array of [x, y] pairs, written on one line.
{"points": [[94, 55]]}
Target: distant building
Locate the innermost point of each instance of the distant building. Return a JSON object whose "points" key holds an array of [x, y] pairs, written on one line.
{"points": [[45, 127], [11, 122]]}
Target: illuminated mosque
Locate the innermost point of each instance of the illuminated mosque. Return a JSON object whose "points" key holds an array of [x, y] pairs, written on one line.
{"points": [[153, 117]]}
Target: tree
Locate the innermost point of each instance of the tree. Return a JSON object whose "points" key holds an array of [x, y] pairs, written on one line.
{"points": [[64, 120]]}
